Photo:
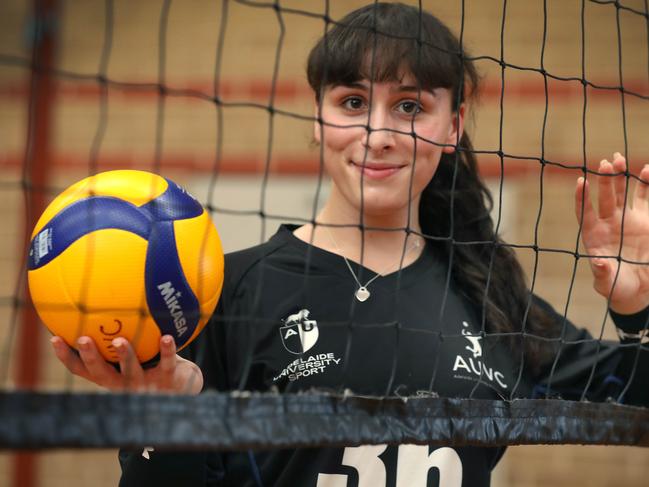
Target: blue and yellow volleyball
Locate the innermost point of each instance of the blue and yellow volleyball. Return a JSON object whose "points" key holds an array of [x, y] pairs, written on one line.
{"points": [[125, 254]]}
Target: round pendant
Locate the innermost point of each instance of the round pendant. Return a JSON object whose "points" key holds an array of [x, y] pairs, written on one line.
{"points": [[362, 294]]}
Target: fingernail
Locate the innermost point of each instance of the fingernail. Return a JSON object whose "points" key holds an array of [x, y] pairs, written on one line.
{"points": [[118, 343], [84, 343], [55, 342], [167, 340]]}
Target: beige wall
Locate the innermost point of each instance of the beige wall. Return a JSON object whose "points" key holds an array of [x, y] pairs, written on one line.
{"points": [[188, 148]]}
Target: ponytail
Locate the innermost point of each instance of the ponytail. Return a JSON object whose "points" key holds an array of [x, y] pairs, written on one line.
{"points": [[455, 211]]}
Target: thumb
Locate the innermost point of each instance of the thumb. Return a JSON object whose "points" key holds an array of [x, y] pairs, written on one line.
{"points": [[599, 266], [602, 271]]}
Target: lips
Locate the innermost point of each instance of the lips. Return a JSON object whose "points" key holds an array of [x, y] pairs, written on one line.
{"points": [[377, 170]]}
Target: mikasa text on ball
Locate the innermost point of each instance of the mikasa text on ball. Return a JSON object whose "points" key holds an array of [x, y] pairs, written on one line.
{"points": [[125, 254]]}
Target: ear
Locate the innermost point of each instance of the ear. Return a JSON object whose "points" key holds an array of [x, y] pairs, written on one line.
{"points": [[316, 125], [455, 131]]}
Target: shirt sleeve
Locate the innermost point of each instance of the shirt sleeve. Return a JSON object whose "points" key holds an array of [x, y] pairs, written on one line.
{"points": [[170, 468], [634, 365], [584, 367]]}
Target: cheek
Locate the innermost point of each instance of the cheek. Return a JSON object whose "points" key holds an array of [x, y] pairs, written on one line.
{"points": [[424, 172], [429, 153], [437, 130], [428, 157], [337, 139]]}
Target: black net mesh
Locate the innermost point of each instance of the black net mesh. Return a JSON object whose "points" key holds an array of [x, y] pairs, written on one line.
{"points": [[96, 94]]}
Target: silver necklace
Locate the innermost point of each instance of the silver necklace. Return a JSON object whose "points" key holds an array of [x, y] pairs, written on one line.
{"points": [[362, 293]]}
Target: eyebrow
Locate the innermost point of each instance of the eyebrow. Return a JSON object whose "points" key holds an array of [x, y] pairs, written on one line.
{"points": [[353, 84], [416, 89]]}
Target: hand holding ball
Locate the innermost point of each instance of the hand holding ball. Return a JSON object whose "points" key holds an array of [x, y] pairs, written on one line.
{"points": [[125, 254]]}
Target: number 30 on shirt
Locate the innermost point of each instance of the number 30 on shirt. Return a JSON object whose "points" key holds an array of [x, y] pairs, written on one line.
{"points": [[413, 465]]}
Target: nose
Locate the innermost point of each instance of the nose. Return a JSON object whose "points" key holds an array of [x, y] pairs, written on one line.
{"points": [[380, 134]]}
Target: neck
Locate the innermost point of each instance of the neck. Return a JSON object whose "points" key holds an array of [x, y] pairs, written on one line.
{"points": [[378, 241]]}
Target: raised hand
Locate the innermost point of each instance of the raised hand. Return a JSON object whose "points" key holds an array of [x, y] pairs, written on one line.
{"points": [[604, 236], [172, 374]]}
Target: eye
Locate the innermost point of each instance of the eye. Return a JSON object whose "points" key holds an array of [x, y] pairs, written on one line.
{"points": [[353, 103], [409, 107]]}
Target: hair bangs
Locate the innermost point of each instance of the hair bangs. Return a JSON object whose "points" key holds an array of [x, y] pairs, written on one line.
{"points": [[380, 46]]}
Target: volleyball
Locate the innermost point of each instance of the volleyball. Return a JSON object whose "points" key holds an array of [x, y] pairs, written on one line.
{"points": [[125, 254]]}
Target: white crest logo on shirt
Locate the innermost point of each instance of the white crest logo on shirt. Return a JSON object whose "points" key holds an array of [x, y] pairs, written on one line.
{"points": [[299, 333]]}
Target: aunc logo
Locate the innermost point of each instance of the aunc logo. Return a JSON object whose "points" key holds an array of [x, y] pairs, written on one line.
{"points": [[473, 364]]}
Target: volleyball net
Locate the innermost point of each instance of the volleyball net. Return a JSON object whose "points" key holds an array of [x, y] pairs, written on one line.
{"points": [[216, 99]]}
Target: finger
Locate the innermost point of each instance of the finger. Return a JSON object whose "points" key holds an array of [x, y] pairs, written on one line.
{"points": [[584, 210], [606, 193], [168, 361], [132, 375], [642, 190], [98, 370], [619, 168], [68, 358]]}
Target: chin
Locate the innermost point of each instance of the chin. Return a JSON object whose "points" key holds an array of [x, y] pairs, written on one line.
{"points": [[385, 209]]}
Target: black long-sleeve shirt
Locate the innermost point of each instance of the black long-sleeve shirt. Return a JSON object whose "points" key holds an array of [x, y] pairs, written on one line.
{"points": [[288, 319]]}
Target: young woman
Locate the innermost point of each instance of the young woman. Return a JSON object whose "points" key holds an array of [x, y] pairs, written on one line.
{"points": [[388, 256]]}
